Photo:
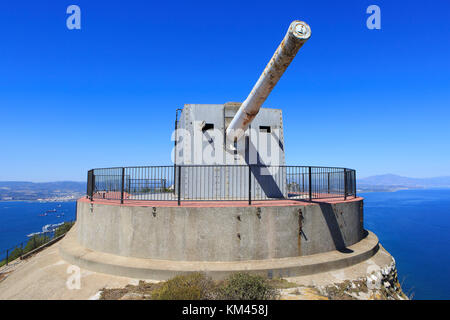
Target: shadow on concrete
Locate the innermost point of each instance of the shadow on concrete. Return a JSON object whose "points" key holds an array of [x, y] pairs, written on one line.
{"points": [[365, 233], [260, 172], [333, 227]]}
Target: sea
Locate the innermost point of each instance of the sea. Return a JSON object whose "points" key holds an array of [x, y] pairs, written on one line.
{"points": [[21, 218], [413, 225]]}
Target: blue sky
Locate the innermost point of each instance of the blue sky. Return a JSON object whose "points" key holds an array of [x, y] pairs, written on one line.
{"points": [[70, 100]]}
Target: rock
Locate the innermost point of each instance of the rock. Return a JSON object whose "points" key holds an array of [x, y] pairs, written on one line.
{"points": [[373, 278], [135, 296]]}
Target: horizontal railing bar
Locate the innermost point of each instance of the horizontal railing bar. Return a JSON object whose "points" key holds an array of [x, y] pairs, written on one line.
{"points": [[223, 165]]}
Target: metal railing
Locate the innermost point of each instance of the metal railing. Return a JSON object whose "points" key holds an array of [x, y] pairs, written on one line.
{"points": [[220, 183]]}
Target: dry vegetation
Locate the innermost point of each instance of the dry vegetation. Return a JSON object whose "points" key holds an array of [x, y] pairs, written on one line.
{"points": [[197, 286]]}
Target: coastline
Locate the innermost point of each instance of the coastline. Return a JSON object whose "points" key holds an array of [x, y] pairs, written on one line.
{"points": [[395, 189]]}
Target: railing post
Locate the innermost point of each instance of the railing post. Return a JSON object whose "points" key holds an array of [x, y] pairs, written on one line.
{"points": [[7, 252], [310, 183], [179, 185], [92, 181], [328, 183], [249, 185], [345, 184], [88, 184], [122, 186], [174, 177], [303, 182], [354, 182]]}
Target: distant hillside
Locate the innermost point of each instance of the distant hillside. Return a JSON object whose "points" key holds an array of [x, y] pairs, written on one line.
{"points": [[390, 182], [22, 190]]}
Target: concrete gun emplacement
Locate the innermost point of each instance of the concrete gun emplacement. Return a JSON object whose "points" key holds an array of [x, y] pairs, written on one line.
{"points": [[298, 33]]}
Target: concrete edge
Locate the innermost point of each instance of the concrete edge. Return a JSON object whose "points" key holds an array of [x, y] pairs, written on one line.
{"points": [[219, 203], [151, 269]]}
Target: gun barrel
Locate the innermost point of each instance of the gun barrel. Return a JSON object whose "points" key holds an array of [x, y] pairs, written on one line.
{"points": [[298, 33]]}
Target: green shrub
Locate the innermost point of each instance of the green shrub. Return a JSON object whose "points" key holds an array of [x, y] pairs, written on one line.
{"points": [[63, 229], [16, 253], [35, 242], [12, 255], [244, 286], [195, 286]]}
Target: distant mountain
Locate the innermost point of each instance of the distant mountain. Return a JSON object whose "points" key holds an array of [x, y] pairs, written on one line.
{"points": [[396, 181], [23, 190]]}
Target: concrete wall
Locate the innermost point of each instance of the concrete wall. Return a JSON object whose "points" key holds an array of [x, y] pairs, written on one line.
{"points": [[219, 234], [258, 148], [193, 115]]}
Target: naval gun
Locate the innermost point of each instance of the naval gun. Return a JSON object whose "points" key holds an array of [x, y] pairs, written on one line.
{"points": [[211, 135], [231, 120], [298, 33]]}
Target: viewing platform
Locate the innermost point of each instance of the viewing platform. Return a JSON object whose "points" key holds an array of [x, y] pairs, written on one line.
{"points": [[274, 213]]}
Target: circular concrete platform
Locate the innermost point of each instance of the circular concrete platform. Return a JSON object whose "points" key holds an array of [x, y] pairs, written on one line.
{"points": [[71, 251], [221, 231]]}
